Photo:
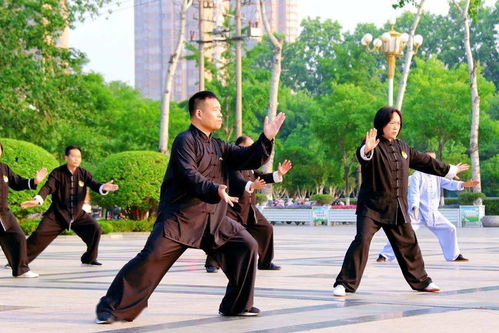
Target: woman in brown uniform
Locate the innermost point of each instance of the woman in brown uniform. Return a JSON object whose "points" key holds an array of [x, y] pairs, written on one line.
{"points": [[382, 203]]}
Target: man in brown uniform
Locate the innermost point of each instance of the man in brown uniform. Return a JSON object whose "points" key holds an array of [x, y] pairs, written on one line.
{"points": [[192, 214], [243, 184], [68, 186], [12, 238]]}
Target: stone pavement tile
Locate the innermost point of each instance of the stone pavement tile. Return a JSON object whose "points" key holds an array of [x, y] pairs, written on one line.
{"points": [[297, 298]]}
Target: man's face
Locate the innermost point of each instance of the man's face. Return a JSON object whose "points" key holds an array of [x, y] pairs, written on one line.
{"points": [[1, 151], [246, 143], [74, 158], [209, 113], [391, 130]]}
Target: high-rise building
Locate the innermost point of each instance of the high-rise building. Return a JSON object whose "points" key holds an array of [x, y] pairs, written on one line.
{"points": [[157, 24]]}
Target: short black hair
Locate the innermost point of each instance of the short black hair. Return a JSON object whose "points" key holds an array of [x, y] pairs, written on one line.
{"points": [[199, 97], [68, 149], [383, 117], [242, 139]]}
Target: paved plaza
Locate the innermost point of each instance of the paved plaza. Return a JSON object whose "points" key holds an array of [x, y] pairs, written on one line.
{"points": [[297, 298]]}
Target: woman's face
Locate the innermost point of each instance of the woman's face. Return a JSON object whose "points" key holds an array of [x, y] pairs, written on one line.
{"points": [[391, 130]]}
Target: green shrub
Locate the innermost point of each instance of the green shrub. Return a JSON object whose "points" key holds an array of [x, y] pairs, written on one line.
{"points": [[106, 226], [451, 201], [25, 159], [128, 225], [28, 225], [467, 198], [322, 199], [491, 206], [139, 175], [261, 198]]}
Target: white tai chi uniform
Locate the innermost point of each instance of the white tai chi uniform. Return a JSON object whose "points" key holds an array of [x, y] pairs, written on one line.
{"points": [[424, 196]]}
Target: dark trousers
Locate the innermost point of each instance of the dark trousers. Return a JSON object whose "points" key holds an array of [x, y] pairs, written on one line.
{"points": [[263, 233], [49, 228], [404, 243], [13, 242], [130, 290]]}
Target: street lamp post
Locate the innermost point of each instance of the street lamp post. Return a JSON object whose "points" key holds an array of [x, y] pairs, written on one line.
{"points": [[391, 43]]}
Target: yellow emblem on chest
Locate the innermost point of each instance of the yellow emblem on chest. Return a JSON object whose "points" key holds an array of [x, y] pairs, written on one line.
{"points": [[404, 155], [81, 183], [5, 179]]}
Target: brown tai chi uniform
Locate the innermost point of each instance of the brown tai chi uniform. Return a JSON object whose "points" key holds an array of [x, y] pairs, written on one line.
{"points": [[246, 213], [68, 195], [12, 238], [382, 203], [191, 215]]}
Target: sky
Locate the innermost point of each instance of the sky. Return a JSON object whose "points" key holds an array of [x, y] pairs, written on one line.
{"points": [[109, 43]]}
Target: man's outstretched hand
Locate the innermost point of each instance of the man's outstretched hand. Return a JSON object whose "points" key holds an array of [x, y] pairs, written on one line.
{"points": [[271, 128], [222, 193]]}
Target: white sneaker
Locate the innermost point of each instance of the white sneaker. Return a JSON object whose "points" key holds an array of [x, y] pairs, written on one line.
{"points": [[28, 274], [339, 291], [431, 288]]}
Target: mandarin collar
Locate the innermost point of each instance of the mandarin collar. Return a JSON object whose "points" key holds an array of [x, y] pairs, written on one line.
{"points": [[66, 170], [385, 140], [199, 133]]}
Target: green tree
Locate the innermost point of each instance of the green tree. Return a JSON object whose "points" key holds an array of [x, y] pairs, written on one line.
{"points": [[304, 59], [37, 78], [443, 36], [341, 124], [436, 93], [490, 176]]}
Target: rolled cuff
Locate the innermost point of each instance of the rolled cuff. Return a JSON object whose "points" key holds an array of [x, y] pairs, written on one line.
{"points": [[29, 184], [277, 178], [101, 190], [39, 199], [363, 154], [248, 188], [452, 172]]}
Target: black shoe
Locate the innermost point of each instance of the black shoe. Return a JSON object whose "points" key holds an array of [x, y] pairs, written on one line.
{"points": [[105, 318], [381, 258], [271, 267], [247, 313], [91, 264], [461, 258], [211, 269]]}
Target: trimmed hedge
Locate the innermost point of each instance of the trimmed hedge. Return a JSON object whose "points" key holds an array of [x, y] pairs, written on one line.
{"points": [[108, 226], [322, 199], [139, 175], [467, 198], [491, 206], [26, 159], [261, 198]]}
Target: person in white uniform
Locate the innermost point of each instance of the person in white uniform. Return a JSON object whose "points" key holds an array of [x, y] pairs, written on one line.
{"points": [[424, 199]]}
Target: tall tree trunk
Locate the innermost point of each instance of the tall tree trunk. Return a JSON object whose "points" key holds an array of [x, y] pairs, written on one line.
{"points": [[346, 170], [475, 98], [170, 74], [408, 57], [274, 84]]}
